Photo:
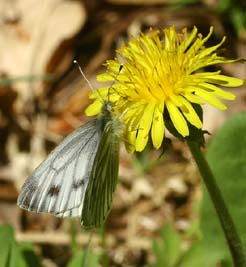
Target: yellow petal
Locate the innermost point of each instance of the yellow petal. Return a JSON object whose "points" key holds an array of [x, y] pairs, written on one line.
{"points": [[210, 99], [105, 77], [192, 98], [227, 81], [113, 65], [130, 140], [190, 113], [218, 92], [186, 43], [207, 51], [157, 130], [94, 108], [100, 93], [132, 119], [144, 127], [177, 119], [216, 78]]}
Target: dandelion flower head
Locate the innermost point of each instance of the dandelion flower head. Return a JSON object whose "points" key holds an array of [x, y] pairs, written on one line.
{"points": [[163, 75]]}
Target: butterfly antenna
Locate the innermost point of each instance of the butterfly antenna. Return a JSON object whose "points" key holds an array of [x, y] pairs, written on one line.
{"points": [[111, 87], [88, 82], [81, 71]]}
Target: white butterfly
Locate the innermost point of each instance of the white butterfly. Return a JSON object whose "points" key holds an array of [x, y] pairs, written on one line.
{"points": [[80, 175]]}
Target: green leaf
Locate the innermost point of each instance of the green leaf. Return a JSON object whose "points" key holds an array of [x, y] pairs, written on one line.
{"points": [[238, 19], [7, 245], [178, 4], [193, 257], [27, 257], [84, 258], [224, 5], [13, 254], [172, 242], [167, 250], [227, 159]]}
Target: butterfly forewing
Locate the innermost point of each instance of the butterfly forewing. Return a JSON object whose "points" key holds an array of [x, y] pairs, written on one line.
{"points": [[104, 177], [58, 184]]}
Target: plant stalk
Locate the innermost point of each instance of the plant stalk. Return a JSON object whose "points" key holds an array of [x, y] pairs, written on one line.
{"points": [[233, 240]]}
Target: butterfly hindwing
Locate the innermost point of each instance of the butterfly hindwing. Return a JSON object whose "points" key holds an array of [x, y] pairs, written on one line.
{"points": [[79, 176], [104, 177], [59, 183]]}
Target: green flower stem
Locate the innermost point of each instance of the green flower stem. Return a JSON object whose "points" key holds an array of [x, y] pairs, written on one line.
{"points": [[228, 226]]}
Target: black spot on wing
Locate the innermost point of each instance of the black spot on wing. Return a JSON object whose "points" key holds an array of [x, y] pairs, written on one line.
{"points": [[54, 190], [78, 184]]}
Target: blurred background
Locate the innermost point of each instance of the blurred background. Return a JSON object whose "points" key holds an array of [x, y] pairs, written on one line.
{"points": [[43, 97]]}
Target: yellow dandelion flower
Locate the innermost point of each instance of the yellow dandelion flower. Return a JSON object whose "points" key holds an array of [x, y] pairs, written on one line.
{"points": [[161, 75]]}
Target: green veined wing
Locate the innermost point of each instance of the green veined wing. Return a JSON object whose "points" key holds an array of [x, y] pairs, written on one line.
{"points": [[104, 175]]}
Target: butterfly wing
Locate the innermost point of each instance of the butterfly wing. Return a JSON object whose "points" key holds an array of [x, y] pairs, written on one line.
{"points": [[59, 183], [104, 177]]}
